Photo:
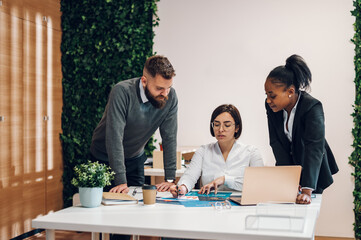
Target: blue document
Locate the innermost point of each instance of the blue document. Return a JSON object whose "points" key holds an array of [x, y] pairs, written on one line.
{"points": [[203, 200]]}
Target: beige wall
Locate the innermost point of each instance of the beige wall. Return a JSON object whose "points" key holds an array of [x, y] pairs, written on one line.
{"points": [[223, 50]]}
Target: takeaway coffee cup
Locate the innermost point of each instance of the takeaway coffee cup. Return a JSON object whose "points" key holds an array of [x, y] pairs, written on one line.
{"points": [[149, 194]]}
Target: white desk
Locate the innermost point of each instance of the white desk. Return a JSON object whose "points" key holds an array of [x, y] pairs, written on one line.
{"points": [[171, 221]]}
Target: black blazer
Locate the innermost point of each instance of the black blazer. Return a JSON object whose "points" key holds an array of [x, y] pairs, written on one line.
{"points": [[309, 147]]}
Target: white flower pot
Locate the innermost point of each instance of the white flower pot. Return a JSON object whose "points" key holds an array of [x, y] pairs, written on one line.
{"points": [[90, 197]]}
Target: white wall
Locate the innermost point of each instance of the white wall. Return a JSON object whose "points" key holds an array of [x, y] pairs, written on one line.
{"points": [[224, 49]]}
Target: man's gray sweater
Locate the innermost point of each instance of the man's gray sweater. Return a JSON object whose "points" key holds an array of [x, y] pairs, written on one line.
{"points": [[127, 125]]}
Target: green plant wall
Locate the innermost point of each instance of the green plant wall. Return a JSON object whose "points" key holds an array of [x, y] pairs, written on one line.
{"points": [[103, 42], [355, 158]]}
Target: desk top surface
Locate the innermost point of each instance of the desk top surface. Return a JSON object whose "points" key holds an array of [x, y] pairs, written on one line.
{"points": [[187, 149], [149, 171], [176, 221]]}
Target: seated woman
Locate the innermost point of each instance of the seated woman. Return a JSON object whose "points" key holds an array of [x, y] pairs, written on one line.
{"points": [[221, 164]]}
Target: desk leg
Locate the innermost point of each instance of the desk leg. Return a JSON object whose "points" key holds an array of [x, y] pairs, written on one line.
{"points": [[95, 236], [50, 234], [135, 237]]}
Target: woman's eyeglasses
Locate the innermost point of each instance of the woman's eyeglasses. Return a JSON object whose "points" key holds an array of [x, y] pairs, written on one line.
{"points": [[226, 125]]}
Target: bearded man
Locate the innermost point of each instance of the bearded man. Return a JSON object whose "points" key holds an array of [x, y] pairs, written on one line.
{"points": [[136, 108]]}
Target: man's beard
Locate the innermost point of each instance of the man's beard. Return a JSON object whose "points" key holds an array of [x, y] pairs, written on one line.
{"points": [[158, 101]]}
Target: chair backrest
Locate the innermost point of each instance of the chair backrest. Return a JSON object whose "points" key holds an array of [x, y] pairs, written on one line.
{"points": [[76, 199]]}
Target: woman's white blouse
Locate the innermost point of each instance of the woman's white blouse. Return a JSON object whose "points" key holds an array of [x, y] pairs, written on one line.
{"points": [[208, 162]]}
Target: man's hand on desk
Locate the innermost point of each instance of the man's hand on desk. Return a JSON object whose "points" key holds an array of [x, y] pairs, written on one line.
{"points": [[122, 188], [164, 186]]}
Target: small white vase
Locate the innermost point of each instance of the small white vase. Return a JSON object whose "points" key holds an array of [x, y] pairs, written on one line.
{"points": [[90, 197]]}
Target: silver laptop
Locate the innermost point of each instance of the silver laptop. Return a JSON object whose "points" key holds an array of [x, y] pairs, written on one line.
{"points": [[269, 185]]}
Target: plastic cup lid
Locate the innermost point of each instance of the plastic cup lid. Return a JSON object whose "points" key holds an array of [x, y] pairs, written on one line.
{"points": [[149, 187]]}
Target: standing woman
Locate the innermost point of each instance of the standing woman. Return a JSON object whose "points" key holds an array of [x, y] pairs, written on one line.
{"points": [[296, 127]]}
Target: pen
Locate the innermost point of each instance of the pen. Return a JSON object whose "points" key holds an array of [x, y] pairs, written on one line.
{"points": [[177, 190], [134, 192]]}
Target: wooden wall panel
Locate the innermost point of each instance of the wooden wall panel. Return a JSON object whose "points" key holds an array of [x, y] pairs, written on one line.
{"points": [[30, 88], [34, 11], [34, 76], [4, 98], [54, 187], [12, 7], [54, 14], [11, 129]]}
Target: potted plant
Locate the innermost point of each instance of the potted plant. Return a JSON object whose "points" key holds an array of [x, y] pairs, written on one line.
{"points": [[90, 178]]}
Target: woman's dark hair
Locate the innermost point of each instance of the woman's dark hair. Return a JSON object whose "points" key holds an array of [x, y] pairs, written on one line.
{"points": [[235, 115], [295, 72], [159, 65]]}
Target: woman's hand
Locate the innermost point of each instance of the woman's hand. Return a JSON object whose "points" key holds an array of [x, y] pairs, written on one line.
{"points": [[212, 185], [174, 191], [304, 197], [178, 191]]}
